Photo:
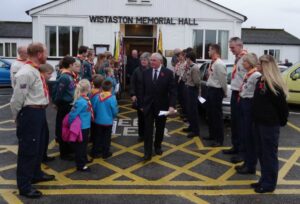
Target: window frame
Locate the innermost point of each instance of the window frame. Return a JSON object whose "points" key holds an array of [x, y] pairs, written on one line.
{"points": [[10, 52], [139, 2], [57, 39]]}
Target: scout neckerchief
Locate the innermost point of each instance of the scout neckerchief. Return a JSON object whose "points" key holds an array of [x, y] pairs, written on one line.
{"points": [[244, 52], [21, 60], [94, 92], [45, 86], [246, 77], [72, 74], [213, 60], [104, 95], [90, 108]]}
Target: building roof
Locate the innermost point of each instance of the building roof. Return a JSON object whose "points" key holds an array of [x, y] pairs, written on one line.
{"points": [[13, 29], [268, 36], [57, 2]]}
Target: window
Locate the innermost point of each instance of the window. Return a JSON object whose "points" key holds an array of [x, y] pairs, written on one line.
{"points": [[275, 53], [1, 50], [202, 39], [63, 40], [10, 50]]}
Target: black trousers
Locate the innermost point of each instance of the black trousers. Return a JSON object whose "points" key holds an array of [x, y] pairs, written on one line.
{"points": [[160, 121], [31, 133], [235, 120], [215, 114], [102, 140], [192, 108], [62, 110], [247, 136], [80, 149], [267, 138], [141, 123], [47, 137]]}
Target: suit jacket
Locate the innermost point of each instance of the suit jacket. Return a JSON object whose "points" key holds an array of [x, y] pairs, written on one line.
{"points": [[159, 95]]}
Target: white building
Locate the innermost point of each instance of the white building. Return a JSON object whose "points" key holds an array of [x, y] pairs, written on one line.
{"points": [[13, 35], [64, 25], [276, 42]]}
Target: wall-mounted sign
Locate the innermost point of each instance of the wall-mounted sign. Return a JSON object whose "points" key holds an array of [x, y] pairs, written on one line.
{"points": [[143, 20]]}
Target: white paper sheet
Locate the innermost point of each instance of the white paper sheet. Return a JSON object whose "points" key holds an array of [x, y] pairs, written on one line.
{"points": [[202, 100]]}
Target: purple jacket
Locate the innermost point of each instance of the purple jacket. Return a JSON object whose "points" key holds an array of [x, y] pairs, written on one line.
{"points": [[71, 132]]}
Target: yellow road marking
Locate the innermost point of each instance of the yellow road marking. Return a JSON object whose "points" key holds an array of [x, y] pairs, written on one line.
{"points": [[294, 126], [3, 106]]}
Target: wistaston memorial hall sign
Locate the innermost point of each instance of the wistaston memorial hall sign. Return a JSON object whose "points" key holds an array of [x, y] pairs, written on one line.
{"points": [[143, 20]]}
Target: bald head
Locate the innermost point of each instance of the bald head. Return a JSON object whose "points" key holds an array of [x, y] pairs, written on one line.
{"points": [[134, 53], [22, 52]]}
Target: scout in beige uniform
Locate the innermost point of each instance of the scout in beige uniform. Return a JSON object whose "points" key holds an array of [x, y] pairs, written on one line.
{"points": [[28, 105], [18, 64]]}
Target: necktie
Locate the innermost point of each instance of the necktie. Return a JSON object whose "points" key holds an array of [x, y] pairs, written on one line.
{"points": [[155, 76]]}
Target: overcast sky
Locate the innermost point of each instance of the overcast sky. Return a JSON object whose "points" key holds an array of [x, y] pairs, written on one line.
{"points": [[261, 13]]}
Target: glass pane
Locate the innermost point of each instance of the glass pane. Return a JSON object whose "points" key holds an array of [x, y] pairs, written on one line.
{"points": [[198, 43], [271, 52], [210, 38], [277, 55], [51, 40], [77, 39], [266, 52], [7, 50], [14, 49], [64, 41], [139, 30], [223, 39], [1, 49]]}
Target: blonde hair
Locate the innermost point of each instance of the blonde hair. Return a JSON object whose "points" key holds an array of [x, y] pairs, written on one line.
{"points": [[272, 74], [251, 58], [84, 86]]}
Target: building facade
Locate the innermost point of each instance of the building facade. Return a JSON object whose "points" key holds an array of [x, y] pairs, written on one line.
{"points": [[64, 25]]}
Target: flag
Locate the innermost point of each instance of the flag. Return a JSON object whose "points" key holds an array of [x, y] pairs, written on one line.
{"points": [[160, 42], [117, 47]]}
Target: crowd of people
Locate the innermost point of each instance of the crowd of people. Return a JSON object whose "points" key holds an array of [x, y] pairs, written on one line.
{"points": [[84, 95]]}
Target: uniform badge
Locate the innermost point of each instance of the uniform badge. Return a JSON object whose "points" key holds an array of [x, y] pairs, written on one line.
{"points": [[23, 86]]}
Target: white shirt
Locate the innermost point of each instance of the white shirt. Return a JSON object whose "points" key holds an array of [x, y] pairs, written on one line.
{"points": [[153, 72], [28, 90], [15, 67]]}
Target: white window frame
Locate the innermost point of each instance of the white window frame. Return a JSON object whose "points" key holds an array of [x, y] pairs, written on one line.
{"points": [[139, 2], [2, 50], [57, 38], [204, 37], [9, 55]]}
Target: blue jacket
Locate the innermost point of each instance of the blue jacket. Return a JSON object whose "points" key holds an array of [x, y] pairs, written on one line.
{"points": [[81, 109], [63, 91], [105, 108]]}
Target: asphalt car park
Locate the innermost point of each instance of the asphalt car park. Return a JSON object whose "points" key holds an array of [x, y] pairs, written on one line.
{"points": [[189, 171]]}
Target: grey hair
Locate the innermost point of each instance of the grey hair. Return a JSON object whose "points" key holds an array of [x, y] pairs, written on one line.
{"points": [[145, 55], [158, 56], [236, 40], [22, 48]]}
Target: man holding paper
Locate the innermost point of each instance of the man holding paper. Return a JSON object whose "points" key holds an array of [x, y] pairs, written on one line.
{"points": [[158, 94]]}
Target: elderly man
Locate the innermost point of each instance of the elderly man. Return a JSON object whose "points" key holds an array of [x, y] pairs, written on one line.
{"points": [[28, 105], [158, 94], [16, 66], [238, 73]]}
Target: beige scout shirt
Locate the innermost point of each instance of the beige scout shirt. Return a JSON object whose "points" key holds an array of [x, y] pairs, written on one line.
{"points": [[192, 76], [15, 67], [218, 77], [28, 90]]}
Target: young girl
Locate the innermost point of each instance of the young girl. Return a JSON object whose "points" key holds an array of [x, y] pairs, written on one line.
{"points": [[111, 77], [82, 108]]}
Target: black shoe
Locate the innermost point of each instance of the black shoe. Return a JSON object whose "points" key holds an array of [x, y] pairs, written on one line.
{"points": [[33, 193], [84, 169], [95, 156], [245, 170], [44, 178], [186, 130], [207, 138], [67, 158], [236, 159], [48, 159], [232, 150], [89, 161], [216, 144], [105, 156], [261, 189], [147, 157], [140, 139], [158, 151], [255, 185], [240, 167], [192, 135]]}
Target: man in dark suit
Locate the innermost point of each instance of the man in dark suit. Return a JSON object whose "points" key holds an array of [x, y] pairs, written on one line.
{"points": [[159, 94]]}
